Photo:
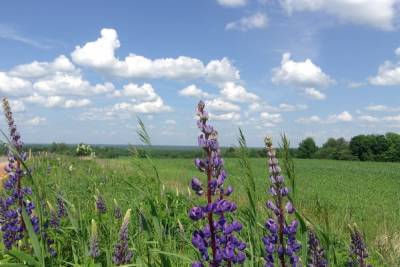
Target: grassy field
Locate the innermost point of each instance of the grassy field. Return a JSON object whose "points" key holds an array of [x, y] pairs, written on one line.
{"points": [[331, 194]]}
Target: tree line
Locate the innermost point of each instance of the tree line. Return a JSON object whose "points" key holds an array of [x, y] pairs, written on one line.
{"points": [[371, 147]]}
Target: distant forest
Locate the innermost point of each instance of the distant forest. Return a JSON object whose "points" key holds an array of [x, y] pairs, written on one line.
{"points": [[361, 147]]}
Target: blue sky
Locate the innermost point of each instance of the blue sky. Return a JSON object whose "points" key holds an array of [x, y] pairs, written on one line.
{"points": [[82, 71]]}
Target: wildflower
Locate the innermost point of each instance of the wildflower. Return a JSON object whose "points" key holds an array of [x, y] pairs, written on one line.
{"points": [[54, 219], [61, 210], [316, 254], [122, 253], [218, 235], [358, 249], [281, 239], [117, 210], [94, 250], [100, 203], [16, 199]]}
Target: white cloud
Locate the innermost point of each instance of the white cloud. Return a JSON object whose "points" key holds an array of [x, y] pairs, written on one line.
{"points": [[309, 120], [17, 106], [397, 51], [39, 69], [314, 94], [218, 104], [230, 116], [290, 108], [138, 93], [256, 21], [382, 108], [392, 118], [368, 118], [13, 86], [345, 116], [388, 75], [237, 93], [376, 13], [300, 74], [56, 101], [35, 121], [193, 91], [341, 117], [232, 3], [147, 107], [220, 71], [70, 84], [100, 55], [271, 118]]}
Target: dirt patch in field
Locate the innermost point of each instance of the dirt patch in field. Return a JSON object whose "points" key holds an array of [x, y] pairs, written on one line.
{"points": [[3, 163]]}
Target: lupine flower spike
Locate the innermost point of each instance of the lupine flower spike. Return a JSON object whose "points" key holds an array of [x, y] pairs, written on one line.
{"points": [[61, 210], [358, 249], [122, 253], [94, 250], [117, 210], [16, 199], [316, 254], [218, 235], [280, 243], [54, 219], [100, 204]]}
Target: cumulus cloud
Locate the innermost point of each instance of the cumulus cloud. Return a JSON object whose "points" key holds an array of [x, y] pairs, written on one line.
{"points": [[13, 86], [382, 108], [271, 118], [388, 75], [300, 74], [100, 55], [345, 116], [70, 84], [237, 93], [256, 21], [193, 91], [378, 14], [17, 106], [314, 94], [232, 3], [218, 104], [138, 93], [290, 108], [230, 116], [368, 118], [35, 121], [56, 101], [37, 69]]}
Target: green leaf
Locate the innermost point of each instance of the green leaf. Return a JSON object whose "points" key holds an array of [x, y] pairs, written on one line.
{"points": [[24, 257], [33, 237]]}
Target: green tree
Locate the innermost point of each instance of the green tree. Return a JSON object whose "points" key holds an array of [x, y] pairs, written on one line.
{"points": [[307, 148]]}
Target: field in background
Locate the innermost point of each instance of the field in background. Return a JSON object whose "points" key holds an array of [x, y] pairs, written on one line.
{"points": [[330, 193]]}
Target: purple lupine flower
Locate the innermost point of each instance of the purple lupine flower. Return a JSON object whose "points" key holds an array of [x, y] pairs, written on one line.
{"points": [[358, 249], [316, 253], [61, 210], [280, 243], [100, 204], [54, 221], [16, 198], [218, 235], [117, 210], [94, 250], [122, 253]]}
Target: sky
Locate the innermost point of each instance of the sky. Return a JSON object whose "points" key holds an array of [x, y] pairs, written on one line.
{"points": [[84, 71]]}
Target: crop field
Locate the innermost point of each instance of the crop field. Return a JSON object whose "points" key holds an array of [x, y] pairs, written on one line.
{"points": [[330, 194]]}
